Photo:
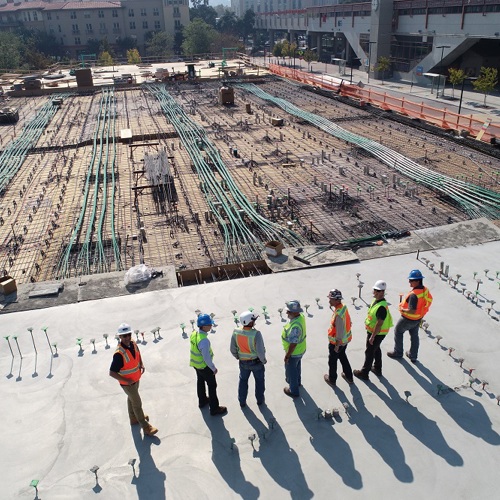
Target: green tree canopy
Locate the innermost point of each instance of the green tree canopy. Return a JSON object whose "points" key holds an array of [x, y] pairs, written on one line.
{"points": [[10, 55], [198, 37], [247, 23], [160, 44], [457, 76], [125, 44], [487, 81], [205, 13], [105, 59], [383, 64], [133, 56], [228, 23]]}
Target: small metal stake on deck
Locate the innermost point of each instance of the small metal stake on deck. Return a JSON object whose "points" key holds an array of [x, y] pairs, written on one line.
{"points": [[45, 328], [34, 484], [30, 329]]}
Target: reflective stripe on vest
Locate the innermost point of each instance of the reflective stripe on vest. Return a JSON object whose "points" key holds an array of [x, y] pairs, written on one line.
{"points": [[371, 318], [300, 322], [131, 369], [424, 302], [245, 340], [342, 313], [196, 358]]}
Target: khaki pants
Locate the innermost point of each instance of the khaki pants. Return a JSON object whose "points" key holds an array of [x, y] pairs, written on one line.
{"points": [[134, 404]]}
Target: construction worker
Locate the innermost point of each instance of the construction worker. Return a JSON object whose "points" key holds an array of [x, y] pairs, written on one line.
{"points": [[247, 346], [339, 335], [377, 323], [293, 338], [127, 367], [202, 361], [412, 308]]}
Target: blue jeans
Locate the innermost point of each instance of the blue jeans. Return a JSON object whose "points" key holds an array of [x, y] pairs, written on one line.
{"points": [[403, 325], [293, 374], [246, 368]]}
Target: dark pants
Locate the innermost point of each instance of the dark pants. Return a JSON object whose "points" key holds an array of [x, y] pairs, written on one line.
{"points": [[246, 368], [341, 356], [373, 354], [207, 376]]}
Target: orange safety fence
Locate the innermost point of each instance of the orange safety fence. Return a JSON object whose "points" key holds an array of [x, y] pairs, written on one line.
{"points": [[482, 129]]}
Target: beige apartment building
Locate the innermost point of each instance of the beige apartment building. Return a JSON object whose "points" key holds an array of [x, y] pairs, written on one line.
{"points": [[75, 23]]}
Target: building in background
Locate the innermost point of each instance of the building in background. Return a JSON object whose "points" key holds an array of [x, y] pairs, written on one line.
{"points": [[75, 23], [418, 36]]}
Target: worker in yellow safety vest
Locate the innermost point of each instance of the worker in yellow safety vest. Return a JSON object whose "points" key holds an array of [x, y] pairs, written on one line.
{"points": [[293, 338], [412, 308], [377, 323], [201, 359], [247, 346]]}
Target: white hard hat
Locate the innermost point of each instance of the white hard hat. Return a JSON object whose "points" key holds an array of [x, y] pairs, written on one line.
{"points": [[124, 328], [246, 317], [380, 285]]}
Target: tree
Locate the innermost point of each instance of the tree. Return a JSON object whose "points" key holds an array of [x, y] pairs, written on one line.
{"points": [[105, 59], [228, 23], [198, 37], [309, 57], [160, 44], [205, 13], [457, 76], [223, 40], [487, 81], [125, 44], [384, 63], [247, 23], [133, 56], [10, 55], [278, 49]]}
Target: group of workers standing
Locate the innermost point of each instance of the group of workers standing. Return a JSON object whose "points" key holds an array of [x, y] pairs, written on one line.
{"points": [[247, 346]]}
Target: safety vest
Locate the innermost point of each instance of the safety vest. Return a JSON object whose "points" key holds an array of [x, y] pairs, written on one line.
{"points": [[424, 302], [196, 358], [131, 369], [299, 322], [343, 313], [371, 317], [245, 340]]}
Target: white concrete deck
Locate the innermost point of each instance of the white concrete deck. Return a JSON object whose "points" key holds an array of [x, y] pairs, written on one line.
{"points": [[64, 415]]}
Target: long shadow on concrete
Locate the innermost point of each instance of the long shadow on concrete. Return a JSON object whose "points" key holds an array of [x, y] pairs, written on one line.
{"points": [[468, 413], [280, 461], [327, 442], [417, 424], [227, 459], [150, 482], [380, 436]]}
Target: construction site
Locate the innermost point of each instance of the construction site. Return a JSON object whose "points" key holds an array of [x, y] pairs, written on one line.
{"points": [[199, 176]]}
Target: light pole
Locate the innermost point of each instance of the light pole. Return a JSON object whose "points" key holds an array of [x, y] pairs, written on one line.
{"points": [[442, 47], [462, 92], [369, 58]]}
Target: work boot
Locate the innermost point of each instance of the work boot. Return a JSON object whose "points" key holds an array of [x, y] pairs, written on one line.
{"points": [[413, 360], [219, 411], [150, 430], [134, 421], [328, 381], [348, 380], [393, 355], [360, 374]]}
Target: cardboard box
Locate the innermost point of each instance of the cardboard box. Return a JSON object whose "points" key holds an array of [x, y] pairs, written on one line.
{"points": [[274, 248], [7, 285]]}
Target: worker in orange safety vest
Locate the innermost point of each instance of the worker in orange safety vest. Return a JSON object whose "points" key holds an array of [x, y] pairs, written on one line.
{"points": [[412, 308]]}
